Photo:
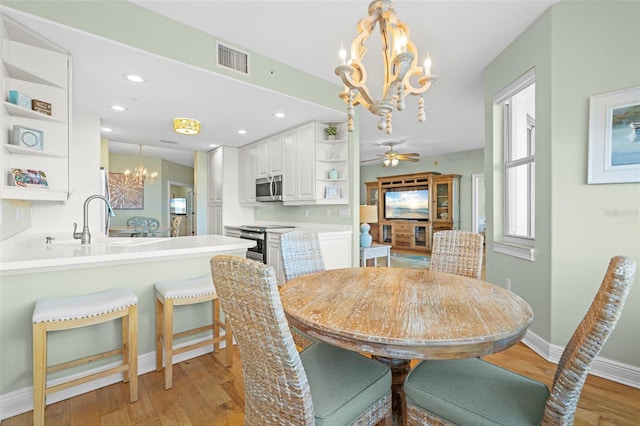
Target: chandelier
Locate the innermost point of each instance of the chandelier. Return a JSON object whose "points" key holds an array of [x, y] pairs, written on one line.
{"points": [[186, 126], [402, 75], [140, 174]]}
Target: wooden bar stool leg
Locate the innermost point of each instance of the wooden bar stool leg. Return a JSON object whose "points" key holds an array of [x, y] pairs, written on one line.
{"points": [[159, 329], [216, 324], [39, 372], [124, 344], [132, 342], [168, 342]]}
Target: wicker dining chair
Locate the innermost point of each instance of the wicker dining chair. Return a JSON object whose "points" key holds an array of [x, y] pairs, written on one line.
{"points": [[175, 226], [301, 255], [457, 252], [322, 385], [473, 391]]}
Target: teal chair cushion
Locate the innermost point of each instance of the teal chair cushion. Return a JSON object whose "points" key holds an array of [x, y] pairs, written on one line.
{"points": [[343, 384], [475, 392]]}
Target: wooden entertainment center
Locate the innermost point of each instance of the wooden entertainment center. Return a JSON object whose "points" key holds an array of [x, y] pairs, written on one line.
{"points": [[443, 198]]}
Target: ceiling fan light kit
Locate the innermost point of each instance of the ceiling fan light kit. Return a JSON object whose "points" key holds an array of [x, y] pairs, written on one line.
{"points": [[401, 70], [392, 158]]}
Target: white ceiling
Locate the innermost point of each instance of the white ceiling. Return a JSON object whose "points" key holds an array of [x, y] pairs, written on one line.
{"points": [[462, 37]]}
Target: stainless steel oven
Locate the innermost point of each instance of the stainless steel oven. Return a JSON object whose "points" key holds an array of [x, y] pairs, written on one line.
{"points": [[254, 233]]}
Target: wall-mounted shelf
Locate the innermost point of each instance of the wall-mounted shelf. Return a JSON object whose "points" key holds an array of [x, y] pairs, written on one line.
{"points": [[18, 111], [34, 194], [16, 149], [40, 70]]}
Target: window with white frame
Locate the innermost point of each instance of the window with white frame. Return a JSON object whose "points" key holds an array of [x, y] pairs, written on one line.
{"points": [[518, 105]]}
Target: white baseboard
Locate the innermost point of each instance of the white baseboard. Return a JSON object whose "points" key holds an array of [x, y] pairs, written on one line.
{"points": [[602, 367], [21, 400]]}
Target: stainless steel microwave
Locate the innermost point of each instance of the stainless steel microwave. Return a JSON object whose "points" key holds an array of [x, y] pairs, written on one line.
{"points": [[269, 188]]}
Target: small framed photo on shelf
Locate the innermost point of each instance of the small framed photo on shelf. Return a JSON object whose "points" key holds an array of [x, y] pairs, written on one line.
{"points": [[27, 178], [331, 192], [27, 138]]}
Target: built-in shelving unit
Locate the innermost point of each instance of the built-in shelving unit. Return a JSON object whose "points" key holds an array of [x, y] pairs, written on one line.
{"points": [[40, 70], [332, 154]]}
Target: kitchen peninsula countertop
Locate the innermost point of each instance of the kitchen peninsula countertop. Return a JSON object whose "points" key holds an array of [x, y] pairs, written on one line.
{"points": [[32, 254]]}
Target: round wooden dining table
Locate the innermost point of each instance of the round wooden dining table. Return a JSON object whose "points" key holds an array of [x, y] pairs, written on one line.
{"points": [[400, 314]]}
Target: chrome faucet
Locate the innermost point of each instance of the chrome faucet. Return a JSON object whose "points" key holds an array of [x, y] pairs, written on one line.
{"points": [[85, 235]]}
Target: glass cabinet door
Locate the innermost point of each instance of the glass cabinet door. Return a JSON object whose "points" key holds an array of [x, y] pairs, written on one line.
{"points": [[420, 237], [372, 193], [442, 201]]}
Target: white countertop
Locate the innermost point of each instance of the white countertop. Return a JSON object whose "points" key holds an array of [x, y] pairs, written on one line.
{"points": [[31, 254], [320, 228]]}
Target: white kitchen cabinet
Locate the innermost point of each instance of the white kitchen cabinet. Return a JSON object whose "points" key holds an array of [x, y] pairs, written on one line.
{"points": [[214, 219], [247, 166], [273, 255], [222, 189], [299, 164], [270, 156], [216, 178], [304, 156], [39, 70]]}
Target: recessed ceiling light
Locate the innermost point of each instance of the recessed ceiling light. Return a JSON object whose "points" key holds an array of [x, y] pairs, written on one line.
{"points": [[118, 108], [135, 78], [212, 145], [242, 132], [279, 114], [106, 129]]}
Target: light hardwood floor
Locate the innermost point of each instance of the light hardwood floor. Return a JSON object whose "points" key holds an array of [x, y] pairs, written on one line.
{"points": [[206, 393]]}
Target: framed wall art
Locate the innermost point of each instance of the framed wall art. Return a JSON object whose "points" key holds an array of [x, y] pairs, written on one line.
{"points": [[614, 137], [125, 193]]}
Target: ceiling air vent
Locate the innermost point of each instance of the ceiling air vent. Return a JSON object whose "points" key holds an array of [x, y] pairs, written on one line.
{"points": [[233, 59]]}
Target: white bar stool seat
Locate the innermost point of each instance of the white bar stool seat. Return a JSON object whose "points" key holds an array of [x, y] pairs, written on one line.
{"points": [[186, 292], [63, 313]]}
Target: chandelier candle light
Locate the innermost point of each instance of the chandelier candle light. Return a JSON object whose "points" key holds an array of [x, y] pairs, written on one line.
{"points": [[368, 214], [401, 68], [140, 174]]}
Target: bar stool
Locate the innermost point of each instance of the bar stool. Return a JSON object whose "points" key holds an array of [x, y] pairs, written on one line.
{"points": [[186, 292], [65, 313]]}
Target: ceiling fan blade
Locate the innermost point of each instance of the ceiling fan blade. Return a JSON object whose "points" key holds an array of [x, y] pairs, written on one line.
{"points": [[374, 159], [406, 157], [413, 154], [415, 160]]}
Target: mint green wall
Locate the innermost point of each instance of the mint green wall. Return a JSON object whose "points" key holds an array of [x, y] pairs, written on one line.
{"points": [[585, 236], [156, 200], [579, 49], [531, 280], [462, 163]]}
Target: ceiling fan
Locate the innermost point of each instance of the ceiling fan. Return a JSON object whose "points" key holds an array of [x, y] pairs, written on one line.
{"points": [[392, 158]]}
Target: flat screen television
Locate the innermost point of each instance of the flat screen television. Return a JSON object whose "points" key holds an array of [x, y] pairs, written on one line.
{"points": [[178, 205], [407, 204]]}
